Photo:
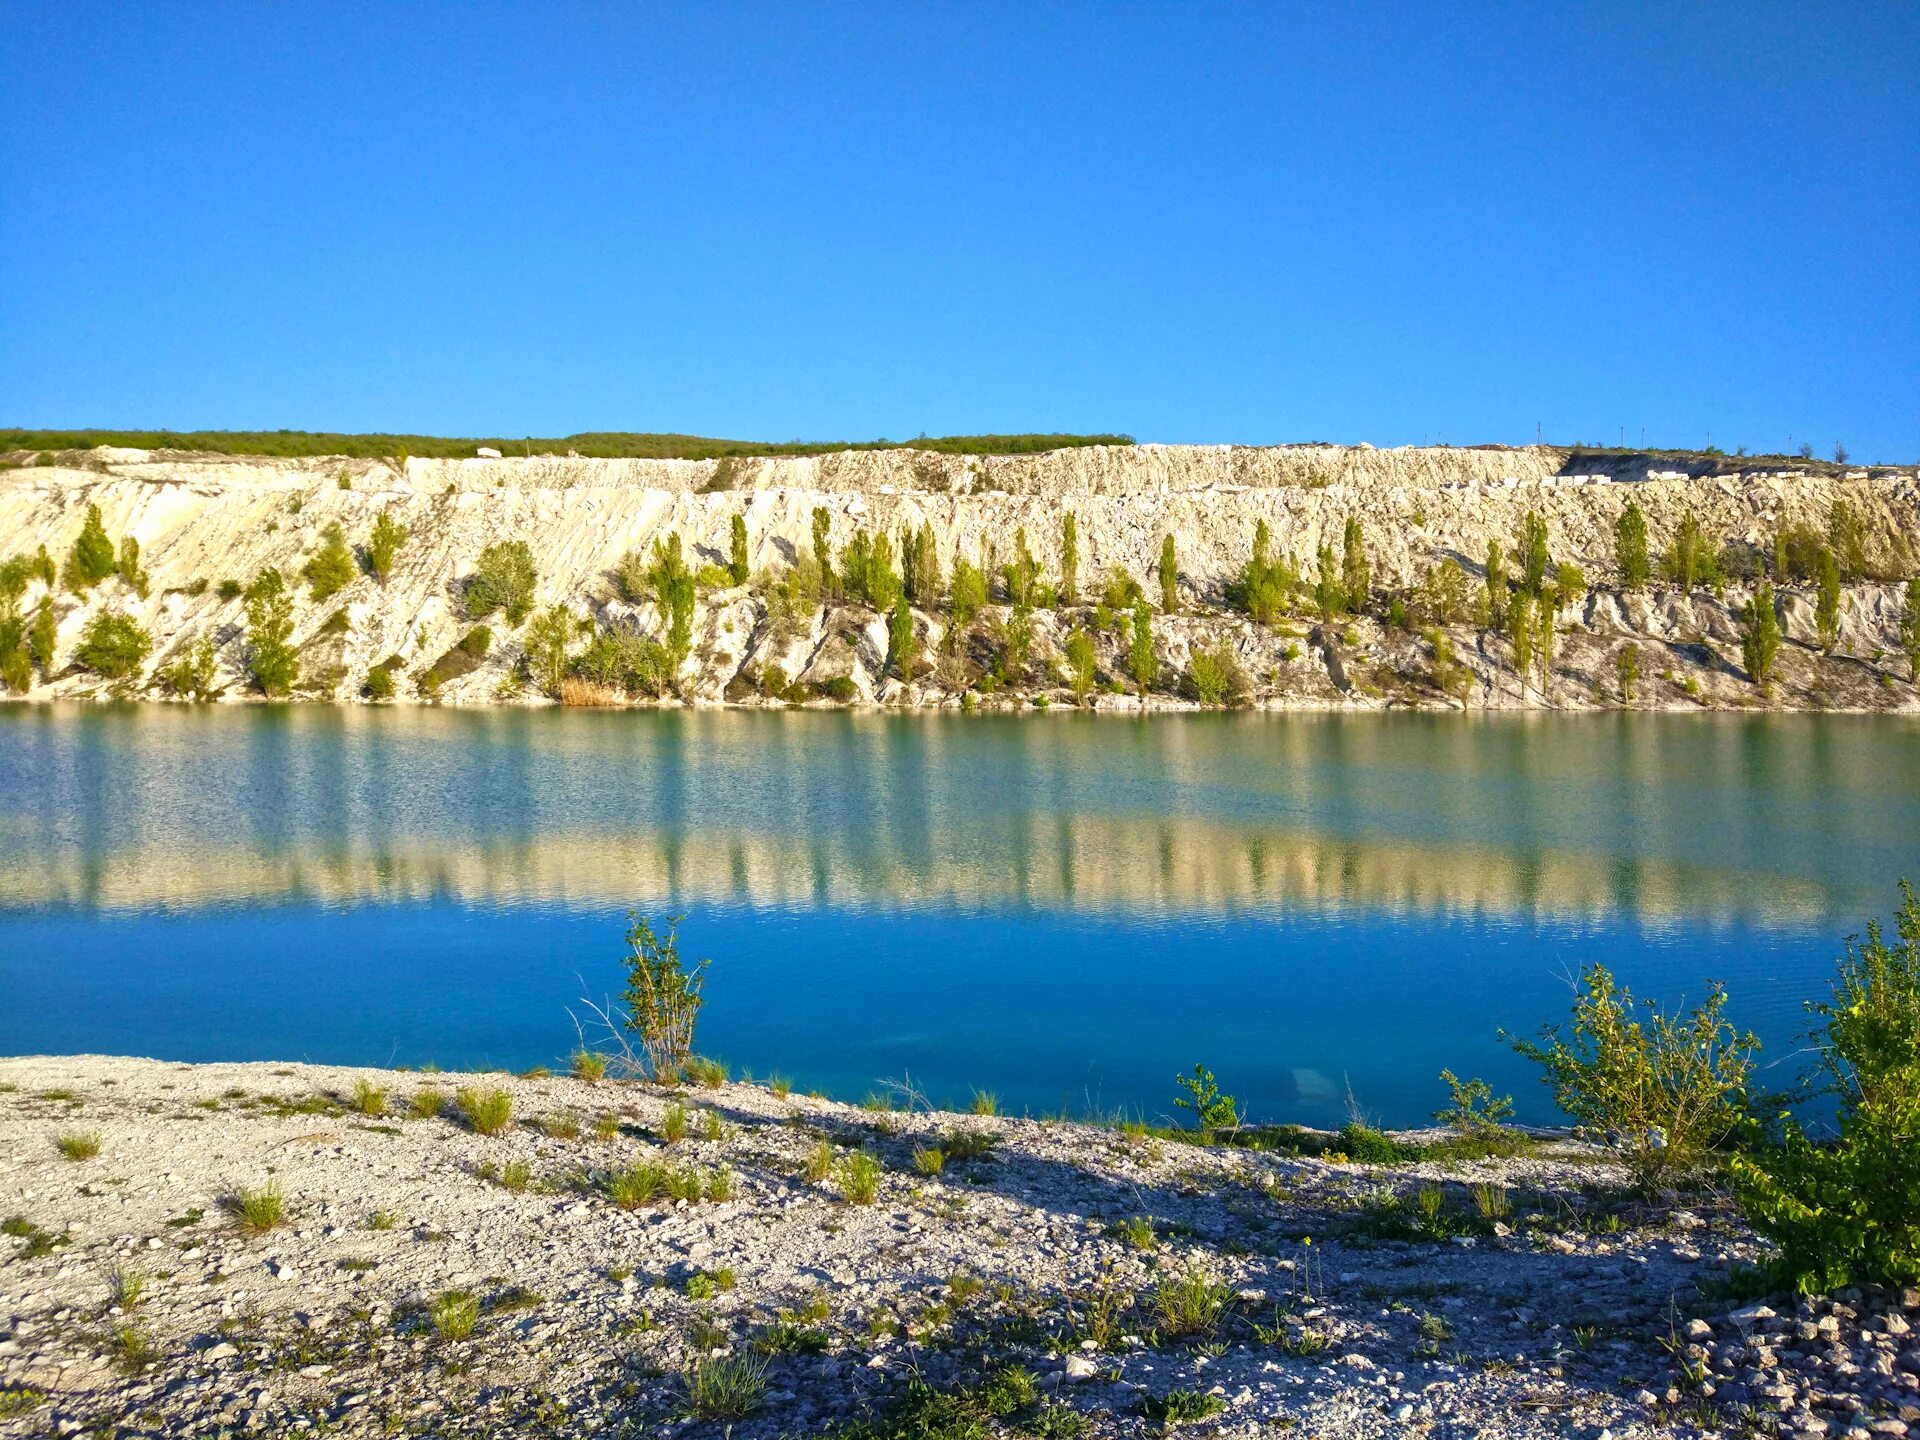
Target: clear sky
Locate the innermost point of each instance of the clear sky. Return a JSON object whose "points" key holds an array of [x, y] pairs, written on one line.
{"points": [[1189, 222]]}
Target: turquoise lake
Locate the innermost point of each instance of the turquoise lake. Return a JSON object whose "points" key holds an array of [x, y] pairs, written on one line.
{"points": [[1063, 909]]}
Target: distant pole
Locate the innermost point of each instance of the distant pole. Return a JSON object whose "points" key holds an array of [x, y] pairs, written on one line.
{"points": [[1536, 432]]}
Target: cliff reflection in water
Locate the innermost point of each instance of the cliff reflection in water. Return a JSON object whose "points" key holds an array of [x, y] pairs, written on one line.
{"points": [[1768, 820]]}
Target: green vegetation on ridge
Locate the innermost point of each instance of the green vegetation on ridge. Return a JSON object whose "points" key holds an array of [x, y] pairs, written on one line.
{"points": [[599, 444]]}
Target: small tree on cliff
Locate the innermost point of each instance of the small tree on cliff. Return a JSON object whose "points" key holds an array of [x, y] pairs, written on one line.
{"points": [[1356, 576], [1169, 577], [1910, 630], [1826, 609], [91, 559], [902, 646], [823, 550], [1630, 548], [1069, 558], [737, 557], [1531, 550], [1759, 635], [1140, 659], [1496, 576]]}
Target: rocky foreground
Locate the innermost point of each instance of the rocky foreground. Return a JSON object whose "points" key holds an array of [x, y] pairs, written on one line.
{"points": [[279, 1249]]}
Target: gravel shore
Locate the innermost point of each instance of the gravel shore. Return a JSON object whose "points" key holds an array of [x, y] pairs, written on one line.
{"points": [[580, 1273]]}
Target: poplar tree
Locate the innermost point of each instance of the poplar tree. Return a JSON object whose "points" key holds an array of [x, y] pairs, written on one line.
{"points": [[1140, 652], [1909, 630], [1759, 635], [1169, 577], [1069, 558], [1630, 548], [1826, 610], [737, 556], [1356, 579]]}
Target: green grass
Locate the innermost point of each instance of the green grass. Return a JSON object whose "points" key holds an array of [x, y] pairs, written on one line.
{"points": [[39, 1242], [673, 1123], [726, 1387], [126, 1286], [589, 1065], [860, 1177], [965, 1145], [18, 1400], [488, 1112], [607, 1127], [77, 1145], [606, 444], [428, 1103], [1181, 1407], [706, 1073], [819, 1161], [985, 1102], [1191, 1303], [368, 1098], [929, 1160], [780, 1085], [259, 1210], [1136, 1232], [454, 1314]]}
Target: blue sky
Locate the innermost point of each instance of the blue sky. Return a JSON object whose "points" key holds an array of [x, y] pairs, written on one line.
{"points": [[1190, 222]]}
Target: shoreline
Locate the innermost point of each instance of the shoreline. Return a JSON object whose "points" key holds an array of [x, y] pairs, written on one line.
{"points": [[424, 1276]]}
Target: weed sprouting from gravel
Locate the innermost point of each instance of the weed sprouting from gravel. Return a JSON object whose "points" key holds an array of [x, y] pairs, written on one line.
{"points": [[261, 1209], [860, 1177], [726, 1387], [77, 1145], [488, 1112], [454, 1314]]}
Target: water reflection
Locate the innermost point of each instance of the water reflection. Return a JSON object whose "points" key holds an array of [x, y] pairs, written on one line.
{"points": [[1766, 821]]}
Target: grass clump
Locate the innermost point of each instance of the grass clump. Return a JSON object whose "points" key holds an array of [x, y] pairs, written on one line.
{"points": [[454, 1314], [589, 1065], [673, 1123], [860, 1177], [964, 1145], [726, 1387], [929, 1160], [488, 1111], [819, 1161], [1136, 1232], [39, 1242], [428, 1103], [707, 1073], [1181, 1407], [607, 1127], [780, 1085], [77, 1145], [126, 1286], [261, 1209], [368, 1098], [1191, 1303]]}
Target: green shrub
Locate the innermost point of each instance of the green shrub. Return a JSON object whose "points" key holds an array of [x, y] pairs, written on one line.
{"points": [[1214, 677], [271, 658], [379, 684], [331, 569], [1472, 1108], [589, 1065], [503, 579], [383, 545], [129, 566], [91, 559], [113, 645], [1848, 1212], [663, 997], [1212, 1111], [368, 1098], [191, 676], [1672, 1087]]}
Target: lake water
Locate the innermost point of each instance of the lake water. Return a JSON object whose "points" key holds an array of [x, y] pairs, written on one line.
{"points": [[1064, 909]]}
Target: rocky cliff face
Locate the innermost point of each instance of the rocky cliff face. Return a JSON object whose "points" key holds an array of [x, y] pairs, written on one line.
{"points": [[201, 521]]}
